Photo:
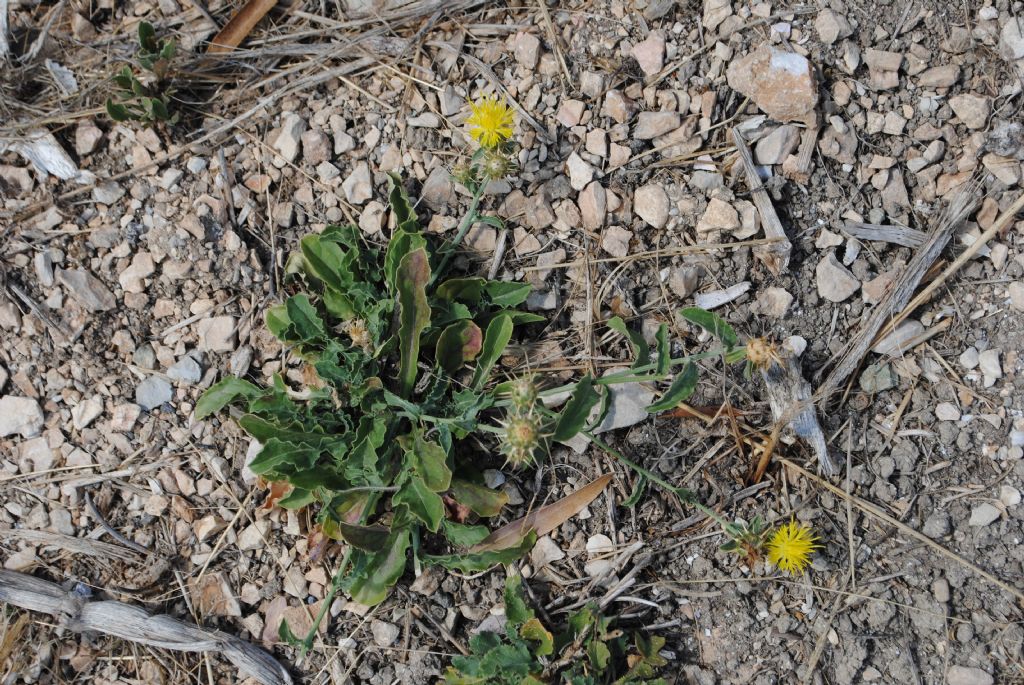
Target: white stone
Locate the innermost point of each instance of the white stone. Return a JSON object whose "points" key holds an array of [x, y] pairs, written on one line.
{"points": [[719, 216], [973, 110], [153, 392], [834, 281], [615, 241], [545, 552], [593, 203], [650, 53], [132, 278], [653, 124], [984, 514], [21, 415], [580, 173], [650, 202], [989, 363], [384, 634], [216, 334], [947, 411], [290, 138], [1009, 495], [358, 187], [85, 412]]}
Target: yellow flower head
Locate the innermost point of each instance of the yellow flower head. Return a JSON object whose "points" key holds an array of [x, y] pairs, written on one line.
{"points": [[490, 124], [790, 547]]}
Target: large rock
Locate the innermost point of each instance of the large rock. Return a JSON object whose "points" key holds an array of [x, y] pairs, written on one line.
{"points": [[781, 83], [20, 415]]}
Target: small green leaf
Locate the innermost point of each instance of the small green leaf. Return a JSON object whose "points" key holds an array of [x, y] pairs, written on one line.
{"points": [[664, 351], [475, 562], [370, 586], [399, 201], [367, 538], [147, 37], [296, 499], [517, 611], [428, 460], [481, 500], [641, 350], [222, 393], [713, 324], [599, 655], [305, 320], [577, 410], [278, 322], [414, 314], [327, 261], [117, 112], [284, 634], [468, 290], [459, 343], [680, 390], [737, 354], [421, 502], [463, 535], [638, 491], [490, 220], [499, 332], [507, 294], [534, 630]]}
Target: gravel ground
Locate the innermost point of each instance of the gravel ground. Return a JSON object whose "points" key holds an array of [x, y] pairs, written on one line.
{"points": [[137, 276]]}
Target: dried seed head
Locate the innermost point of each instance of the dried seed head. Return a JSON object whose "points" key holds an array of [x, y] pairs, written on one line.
{"points": [[359, 334], [762, 353], [523, 393]]}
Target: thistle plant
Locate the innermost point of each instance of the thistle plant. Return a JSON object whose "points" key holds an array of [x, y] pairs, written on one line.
{"points": [[587, 652], [148, 101], [383, 446]]}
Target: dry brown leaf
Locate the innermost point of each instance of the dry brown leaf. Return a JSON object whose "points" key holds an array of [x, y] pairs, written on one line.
{"points": [[236, 30], [545, 519]]}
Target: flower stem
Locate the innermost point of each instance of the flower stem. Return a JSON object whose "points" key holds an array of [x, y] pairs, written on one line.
{"points": [[449, 248], [339, 576]]}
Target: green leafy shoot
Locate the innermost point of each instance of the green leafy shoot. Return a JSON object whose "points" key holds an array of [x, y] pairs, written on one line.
{"points": [[588, 651], [147, 99]]}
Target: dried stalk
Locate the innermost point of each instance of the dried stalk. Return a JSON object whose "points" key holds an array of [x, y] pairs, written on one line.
{"points": [[76, 612], [775, 255], [849, 357], [897, 235]]}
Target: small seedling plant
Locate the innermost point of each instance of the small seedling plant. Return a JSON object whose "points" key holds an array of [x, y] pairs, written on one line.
{"points": [[147, 99], [589, 651]]}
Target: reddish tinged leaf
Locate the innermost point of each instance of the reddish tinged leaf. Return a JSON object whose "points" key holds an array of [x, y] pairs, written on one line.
{"points": [[459, 343], [545, 519]]}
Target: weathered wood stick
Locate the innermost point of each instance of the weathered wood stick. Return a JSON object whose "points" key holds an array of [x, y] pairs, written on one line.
{"points": [[78, 613]]}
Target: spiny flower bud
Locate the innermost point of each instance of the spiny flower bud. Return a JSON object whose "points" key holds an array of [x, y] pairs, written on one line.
{"points": [[522, 438], [523, 393], [496, 164]]}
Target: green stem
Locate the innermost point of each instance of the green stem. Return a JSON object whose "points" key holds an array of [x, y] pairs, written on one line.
{"points": [[686, 495], [339, 576], [448, 249]]}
